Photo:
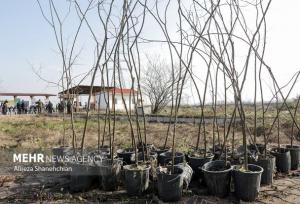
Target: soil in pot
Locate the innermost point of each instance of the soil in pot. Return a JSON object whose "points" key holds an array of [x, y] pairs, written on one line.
{"points": [[126, 155], [283, 159], [166, 157], [110, 172], [217, 176], [136, 179], [295, 156], [247, 182], [196, 161], [169, 184], [268, 165]]}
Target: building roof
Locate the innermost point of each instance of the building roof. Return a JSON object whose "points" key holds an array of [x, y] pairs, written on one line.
{"points": [[123, 90], [26, 94], [84, 89]]}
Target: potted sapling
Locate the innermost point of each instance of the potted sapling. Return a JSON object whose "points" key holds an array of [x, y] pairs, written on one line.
{"points": [[265, 159], [282, 155], [294, 149], [198, 157]]}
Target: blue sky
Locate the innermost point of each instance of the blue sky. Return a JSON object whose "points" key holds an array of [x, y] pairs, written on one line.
{"points": [[25, 39]]}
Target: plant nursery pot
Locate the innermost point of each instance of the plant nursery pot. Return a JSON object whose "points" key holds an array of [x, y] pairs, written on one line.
{"points": [[295, 156], [126, 155], [260, 148], [218, 152], [148, 146], [196, 163], [283, 159], [247, 183], [217, 176], [170, 185], [110, 173], [150, 156], [136, 179], [101, 153], [161, 150], [268, 165], [82, 177], [166, 157], [61, 151], [105, 149]]}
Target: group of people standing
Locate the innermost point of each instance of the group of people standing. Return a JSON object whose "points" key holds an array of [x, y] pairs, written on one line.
{"points": [[22, 107], [61, 106]]}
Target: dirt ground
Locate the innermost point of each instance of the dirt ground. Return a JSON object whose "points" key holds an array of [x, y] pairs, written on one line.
{"points": [[17, 132], [43, 189]]}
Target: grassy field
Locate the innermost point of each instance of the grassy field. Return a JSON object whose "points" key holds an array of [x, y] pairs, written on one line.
{"points": [[30, 131]]}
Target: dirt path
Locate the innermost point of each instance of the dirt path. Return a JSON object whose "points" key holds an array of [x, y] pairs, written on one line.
{"points": [[54, 189]]}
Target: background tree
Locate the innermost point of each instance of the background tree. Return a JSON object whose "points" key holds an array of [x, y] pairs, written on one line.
{"points": [[157, 83]]}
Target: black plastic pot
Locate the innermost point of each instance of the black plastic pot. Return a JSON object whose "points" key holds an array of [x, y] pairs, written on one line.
{"points": [[150, 156], [166, 157], [247, 183], [218, 147], [104, 149], [159, 151], [82, 177], [295, 156], [259, 147], [217, 176], [196, 163], [110, 173], [61, 151], [170, 185], [148, 146], [283, 159], [126, 155], [268, 164], [99, 154], [136, 179], [219, 155]]}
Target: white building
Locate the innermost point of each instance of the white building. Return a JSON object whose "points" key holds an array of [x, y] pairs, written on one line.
{"points": [[117, 99]]}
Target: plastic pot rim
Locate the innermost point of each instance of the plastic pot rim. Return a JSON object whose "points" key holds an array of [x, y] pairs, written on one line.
{"points": [[62, 146], [269, 156], [175, 166], [177, 154], [102, 164], [122, 151], [210, 156], [274, 150], [249, 172], [216, 172], [126, 167], [294, 147]]}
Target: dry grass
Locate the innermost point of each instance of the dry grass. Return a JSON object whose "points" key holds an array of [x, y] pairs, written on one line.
{"points": [[46, 132]]}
